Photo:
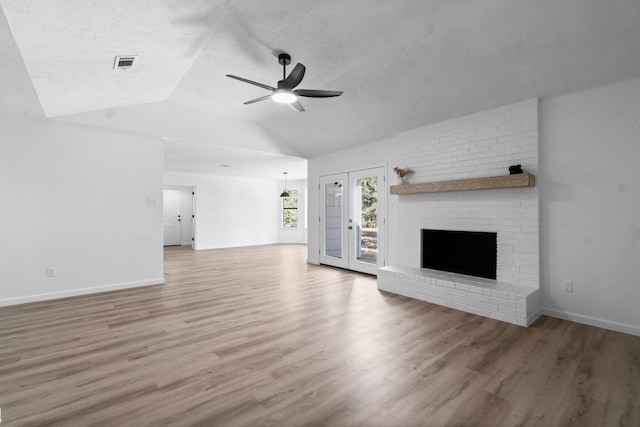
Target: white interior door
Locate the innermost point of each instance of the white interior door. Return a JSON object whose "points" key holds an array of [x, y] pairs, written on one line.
{"points": [[352, 220], [172, 216], [187, 216], [192, 231]]}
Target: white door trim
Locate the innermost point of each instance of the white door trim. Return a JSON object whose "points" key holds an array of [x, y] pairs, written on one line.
{"points": [[346, 256]]}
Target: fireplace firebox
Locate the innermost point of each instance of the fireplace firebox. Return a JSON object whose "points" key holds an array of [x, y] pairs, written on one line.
{"points": [[466, 252]]}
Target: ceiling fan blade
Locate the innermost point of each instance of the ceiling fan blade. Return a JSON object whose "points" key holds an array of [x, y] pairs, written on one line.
{"points": [[262, 98], [297, 106], [251, 82], [318, 93], [294, 78]]}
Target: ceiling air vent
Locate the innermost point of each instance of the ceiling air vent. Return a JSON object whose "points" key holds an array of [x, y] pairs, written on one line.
{"points": [[124, 62]]}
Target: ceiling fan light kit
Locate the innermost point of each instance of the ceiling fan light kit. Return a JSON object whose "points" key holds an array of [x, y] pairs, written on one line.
{"points": [[284, 96], [284, 93]]}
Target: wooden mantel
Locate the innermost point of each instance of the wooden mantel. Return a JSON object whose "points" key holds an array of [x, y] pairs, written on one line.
{"points": [[484, 183]]}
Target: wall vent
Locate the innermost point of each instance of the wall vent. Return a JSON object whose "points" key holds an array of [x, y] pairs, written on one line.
{"points": [[124, 62]]}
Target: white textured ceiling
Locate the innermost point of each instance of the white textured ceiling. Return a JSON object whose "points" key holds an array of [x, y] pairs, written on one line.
{"points": [[234, 161], [69, 47], [401, 64]]}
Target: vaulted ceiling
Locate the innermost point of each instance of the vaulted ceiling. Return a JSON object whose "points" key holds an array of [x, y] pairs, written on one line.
{"points": [[401, 64]]}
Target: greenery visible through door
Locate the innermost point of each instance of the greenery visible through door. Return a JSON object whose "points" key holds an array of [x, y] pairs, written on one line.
{"points": [[369, 202], [290, 210]]}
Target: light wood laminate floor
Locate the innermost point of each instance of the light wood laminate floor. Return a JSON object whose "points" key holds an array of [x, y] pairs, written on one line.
{"points": [[255, 336]]}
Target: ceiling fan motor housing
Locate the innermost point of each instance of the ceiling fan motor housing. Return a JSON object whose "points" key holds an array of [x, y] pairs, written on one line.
{"points": [[284, 59]]}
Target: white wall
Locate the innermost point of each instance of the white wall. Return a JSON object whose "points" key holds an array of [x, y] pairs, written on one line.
{"points": [[231, 211], [299, 234], [590, 206], [81, 200]]}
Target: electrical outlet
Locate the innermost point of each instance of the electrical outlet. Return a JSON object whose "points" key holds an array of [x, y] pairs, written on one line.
{"points": [[567, 285], [51, 272]]}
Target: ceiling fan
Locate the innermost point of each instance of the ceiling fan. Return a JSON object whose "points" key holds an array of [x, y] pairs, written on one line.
{"points": [[285, 93]]}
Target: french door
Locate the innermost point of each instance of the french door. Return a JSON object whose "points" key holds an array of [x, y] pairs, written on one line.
{"points": [[352, 220]]}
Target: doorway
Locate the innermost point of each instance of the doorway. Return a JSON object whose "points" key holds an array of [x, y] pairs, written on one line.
{"points": [[178, 218], [352, 222]]}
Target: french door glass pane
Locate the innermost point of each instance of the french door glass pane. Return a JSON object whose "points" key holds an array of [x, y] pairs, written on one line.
{"points": [[366, 235], [333, 219]]}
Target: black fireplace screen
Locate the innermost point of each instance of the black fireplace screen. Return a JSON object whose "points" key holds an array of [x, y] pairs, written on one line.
{"points": [[465, 252]]}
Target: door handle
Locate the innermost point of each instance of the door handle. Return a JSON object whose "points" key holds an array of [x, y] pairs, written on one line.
{"points": [[350, 227]]}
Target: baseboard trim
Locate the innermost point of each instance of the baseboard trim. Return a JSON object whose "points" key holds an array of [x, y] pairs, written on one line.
{"points": [[81, 291], [313, 261], [593, 321]]}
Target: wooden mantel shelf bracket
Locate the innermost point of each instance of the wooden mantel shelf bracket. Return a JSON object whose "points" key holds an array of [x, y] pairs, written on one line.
{"points": [[484, 183]]}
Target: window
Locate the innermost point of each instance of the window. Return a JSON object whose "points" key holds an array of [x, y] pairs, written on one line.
{"points": [[290, 210]]}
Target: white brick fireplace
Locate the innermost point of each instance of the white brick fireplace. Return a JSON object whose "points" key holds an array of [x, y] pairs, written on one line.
{"points": [[479, 145]]}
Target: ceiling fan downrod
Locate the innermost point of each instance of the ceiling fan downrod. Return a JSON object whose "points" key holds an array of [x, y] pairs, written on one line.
{"points": [[284, 59]]}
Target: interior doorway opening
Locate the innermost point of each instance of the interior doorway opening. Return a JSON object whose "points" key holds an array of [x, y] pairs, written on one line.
{"points": [[178, 215]]}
